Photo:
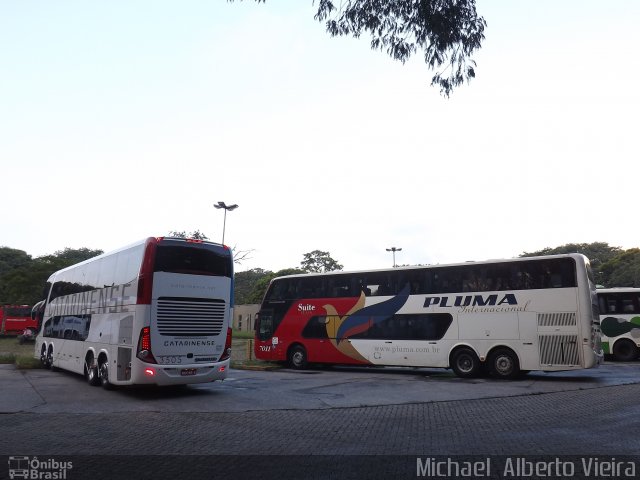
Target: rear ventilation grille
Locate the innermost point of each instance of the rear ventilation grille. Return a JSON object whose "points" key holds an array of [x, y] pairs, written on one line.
{"points": [[559, 350], [190, 317], [557, 319]]}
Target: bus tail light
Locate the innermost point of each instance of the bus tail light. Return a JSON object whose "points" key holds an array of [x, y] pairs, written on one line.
{"points": [[227, 347], [149, 372], [145, 278], [144, 346]]}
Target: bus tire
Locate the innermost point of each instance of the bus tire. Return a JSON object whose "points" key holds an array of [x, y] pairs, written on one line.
{"points": [[91, 371], [625, 350], [504, 364], [43, 355], [103, 374], [297, 357], [465, 363], [48, 363]]}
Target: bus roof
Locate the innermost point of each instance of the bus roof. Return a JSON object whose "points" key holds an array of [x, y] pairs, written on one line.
{"points": [[617, 289], [133, 245], [579, 256]]}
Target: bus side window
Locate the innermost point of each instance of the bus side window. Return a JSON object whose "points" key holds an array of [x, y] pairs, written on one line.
{"points": [[602, 304]]}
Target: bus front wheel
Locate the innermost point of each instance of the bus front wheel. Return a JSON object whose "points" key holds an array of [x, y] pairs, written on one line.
{"points": [[465, 363], [48, 363], [503, 363], [625, 350], [43, 356], [298, 357]]}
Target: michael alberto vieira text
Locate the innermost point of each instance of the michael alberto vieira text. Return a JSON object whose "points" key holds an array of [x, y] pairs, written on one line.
{"points": [[521, 467]]}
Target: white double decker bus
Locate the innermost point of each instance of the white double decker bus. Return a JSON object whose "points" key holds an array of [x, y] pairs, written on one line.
{"points": [[620, 322], [502, 317], [155, 312]]}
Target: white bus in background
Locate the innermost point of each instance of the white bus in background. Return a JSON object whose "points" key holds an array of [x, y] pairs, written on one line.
{"points": [[155, 312], [502, 317], [620, 322]]}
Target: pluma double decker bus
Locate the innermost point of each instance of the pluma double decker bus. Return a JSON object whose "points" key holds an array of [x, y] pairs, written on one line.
{"points": [[155, 312], [502, 317], [620, 322]]}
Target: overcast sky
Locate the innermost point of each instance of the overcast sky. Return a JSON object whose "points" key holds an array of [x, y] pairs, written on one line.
{"points": [[122, 120]]}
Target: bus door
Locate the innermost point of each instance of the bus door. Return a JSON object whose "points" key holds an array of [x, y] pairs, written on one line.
{"points": [[265, 329]]}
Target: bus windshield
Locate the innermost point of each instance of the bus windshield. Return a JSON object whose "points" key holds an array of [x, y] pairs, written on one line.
{"points": [[189, 260]]}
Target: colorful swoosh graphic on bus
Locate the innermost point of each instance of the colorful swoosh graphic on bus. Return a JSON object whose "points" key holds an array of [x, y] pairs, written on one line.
{"points": [[365, 318], [612, 326]]}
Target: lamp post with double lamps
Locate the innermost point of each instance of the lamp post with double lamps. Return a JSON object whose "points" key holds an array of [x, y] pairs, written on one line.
{"points": [[394, 250], [226, 209]]}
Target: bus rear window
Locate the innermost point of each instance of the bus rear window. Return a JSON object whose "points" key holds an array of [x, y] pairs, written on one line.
{"points": [[192, 261]]}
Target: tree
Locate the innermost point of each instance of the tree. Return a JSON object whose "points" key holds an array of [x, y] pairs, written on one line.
{"points": [[69, 256], [196, 235], [12, 261], [447, 32], [250, 286], [11, 258], [239, 256], [623, 270], [598, 253], [26, 283], [245, 285], [318, 261]]}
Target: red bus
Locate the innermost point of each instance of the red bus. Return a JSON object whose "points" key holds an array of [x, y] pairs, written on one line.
{"points": [[501, 317], [14, 319]]}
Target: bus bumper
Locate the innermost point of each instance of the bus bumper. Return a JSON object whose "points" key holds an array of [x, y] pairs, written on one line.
{"points": [[153, 374]]}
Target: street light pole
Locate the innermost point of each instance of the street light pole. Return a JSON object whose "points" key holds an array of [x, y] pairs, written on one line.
{"points": [[226, 208], [394, 250]]}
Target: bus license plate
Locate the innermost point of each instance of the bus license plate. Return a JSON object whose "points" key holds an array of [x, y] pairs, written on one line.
{"points": [[187, 371]]}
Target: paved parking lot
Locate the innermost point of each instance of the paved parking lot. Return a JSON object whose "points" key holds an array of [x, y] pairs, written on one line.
{"points": [[318, 423], [44, 391]]}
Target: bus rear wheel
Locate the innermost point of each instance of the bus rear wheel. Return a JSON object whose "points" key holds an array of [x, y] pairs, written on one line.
{"points": [[91, 371], [625, 350], [465, 363], [503, 363], [297, 357], [103, 373]]}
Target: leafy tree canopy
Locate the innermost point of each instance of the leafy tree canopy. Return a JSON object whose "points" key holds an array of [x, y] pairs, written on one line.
{"points": [[612, 266], [447, 32], [623, 270], [196, 235], [319, 261], [25, 281], [597, 252], [10, 259], [238, 255]]}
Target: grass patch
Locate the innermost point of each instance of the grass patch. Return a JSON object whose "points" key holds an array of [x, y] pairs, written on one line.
{"points": [[256, 365], [27, 362], [6, 357], [11, 351], [243, 334], [11, 345]]}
